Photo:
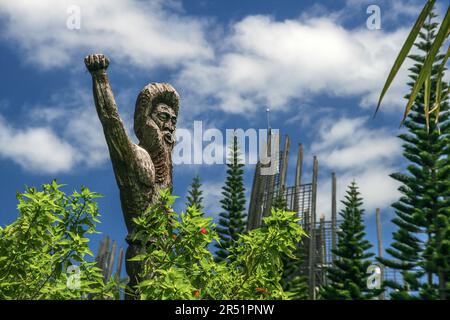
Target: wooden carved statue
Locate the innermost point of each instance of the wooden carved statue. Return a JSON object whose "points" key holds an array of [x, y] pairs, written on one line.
{"points": [[141, 170]]}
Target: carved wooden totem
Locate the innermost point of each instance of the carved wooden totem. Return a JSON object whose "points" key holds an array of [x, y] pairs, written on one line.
{"points": [[140, 170]]}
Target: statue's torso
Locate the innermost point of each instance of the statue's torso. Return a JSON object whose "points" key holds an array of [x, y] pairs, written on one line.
{"points": [[139, 183]]}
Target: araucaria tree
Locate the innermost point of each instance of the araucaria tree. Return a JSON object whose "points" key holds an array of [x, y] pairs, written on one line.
{"points": [[232, 220], [348, 273], [195, 194], [421, 247]]}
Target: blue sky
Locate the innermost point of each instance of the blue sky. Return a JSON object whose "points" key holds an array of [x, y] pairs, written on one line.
{"points": [[314, 64]]}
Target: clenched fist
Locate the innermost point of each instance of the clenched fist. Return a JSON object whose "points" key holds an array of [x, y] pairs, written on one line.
{"points": [[96, 62]]}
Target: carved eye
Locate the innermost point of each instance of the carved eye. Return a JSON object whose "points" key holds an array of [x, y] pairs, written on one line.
{"points": [[163, 116]]}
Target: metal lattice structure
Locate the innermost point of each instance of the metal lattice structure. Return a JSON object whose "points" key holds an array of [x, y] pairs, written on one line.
{"points": [[300, 198], [297, 199]]}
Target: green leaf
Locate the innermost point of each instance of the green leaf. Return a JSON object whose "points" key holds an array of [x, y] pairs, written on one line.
{"points": [[426, 102], [428, 64], [437, 105], [139, 257], [405, 49]]}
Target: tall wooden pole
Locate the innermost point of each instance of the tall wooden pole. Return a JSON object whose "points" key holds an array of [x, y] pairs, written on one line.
{"points": [[333, 214], [380, 248], [323, 247], [253, 209], [312, 239], [284, 164], [269, 184], [111, 261], [119, 264], [298, 178]]}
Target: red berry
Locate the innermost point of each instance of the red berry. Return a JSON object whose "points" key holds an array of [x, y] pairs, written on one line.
{"points": [[203, 231], [197, 294]]}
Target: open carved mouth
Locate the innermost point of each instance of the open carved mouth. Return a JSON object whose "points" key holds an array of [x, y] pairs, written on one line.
{"points": [[169, 137]]}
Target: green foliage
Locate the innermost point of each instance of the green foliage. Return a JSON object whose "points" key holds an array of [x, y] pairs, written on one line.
{"points": [[195, 197], [422, 79], [232, 220], [347, 275], [421, 247], [292, 281], [49, 236], [178, 265], [279, 202], [39, 248]]}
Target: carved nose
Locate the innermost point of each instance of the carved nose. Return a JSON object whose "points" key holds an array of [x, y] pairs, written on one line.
{"points": [[169, 126]]}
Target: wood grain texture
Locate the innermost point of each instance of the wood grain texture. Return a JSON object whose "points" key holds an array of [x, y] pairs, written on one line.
{"points": [[141, 170]]}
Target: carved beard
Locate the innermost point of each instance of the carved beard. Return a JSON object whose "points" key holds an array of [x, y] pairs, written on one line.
{"points": [[157, 140], [159, 144]]}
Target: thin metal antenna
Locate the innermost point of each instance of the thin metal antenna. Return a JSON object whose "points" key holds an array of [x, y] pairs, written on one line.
{"points": [[268, 118]]}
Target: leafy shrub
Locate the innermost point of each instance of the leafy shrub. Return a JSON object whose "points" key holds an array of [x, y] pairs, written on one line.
{"points": [[49, 237], [178, 265], [46, 242]]}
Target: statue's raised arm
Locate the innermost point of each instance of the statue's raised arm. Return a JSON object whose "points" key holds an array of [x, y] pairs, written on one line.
{"points": [[140, 170], [120, 145]]}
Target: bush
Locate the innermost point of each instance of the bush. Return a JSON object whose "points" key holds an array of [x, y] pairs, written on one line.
{"points": [[39, 250], [43, 253], [178, 264]]}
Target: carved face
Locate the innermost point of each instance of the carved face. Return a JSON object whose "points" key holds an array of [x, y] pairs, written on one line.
{"points": [[166, 120]]}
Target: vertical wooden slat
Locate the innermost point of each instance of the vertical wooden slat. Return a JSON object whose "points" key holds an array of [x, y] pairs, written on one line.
{"points": [[380, 247], [312, 240], [333, 214], [270, 179], [253, 209], [323, 245], [298, 177], [119, 264], [111, 261], [284, 164]]}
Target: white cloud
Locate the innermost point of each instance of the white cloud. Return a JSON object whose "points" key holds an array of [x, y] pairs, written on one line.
{"points": [[37, 149], [260, 62], [358, 153], [270, 63], [391, 11], [64, 133], [136, 33], [377, 189], [348, 144], [74, 116], [212, 194]]}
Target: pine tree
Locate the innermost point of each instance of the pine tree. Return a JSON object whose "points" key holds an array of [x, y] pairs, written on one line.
{"points": [[421, 247], [195, 194], [232, 220], [347, 274], [293, 281], [279, 202]]}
